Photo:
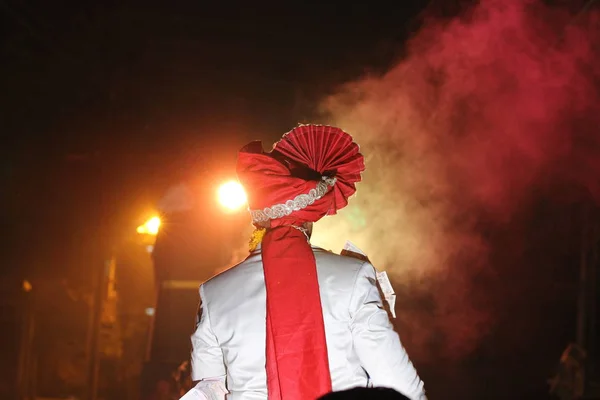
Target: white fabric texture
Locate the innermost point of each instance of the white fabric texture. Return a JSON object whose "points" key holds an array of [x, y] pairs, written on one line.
{"points": [[363, 348], [207, 389]]}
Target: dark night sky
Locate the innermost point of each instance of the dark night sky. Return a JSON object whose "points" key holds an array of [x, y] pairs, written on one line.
{"points": [[103, 107]]}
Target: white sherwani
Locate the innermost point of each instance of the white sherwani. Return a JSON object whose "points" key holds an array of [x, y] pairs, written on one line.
{"points": [[362, 347]]}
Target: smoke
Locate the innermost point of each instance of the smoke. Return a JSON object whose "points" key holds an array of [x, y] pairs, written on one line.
{"points": [[179, 198], [481, 110]]}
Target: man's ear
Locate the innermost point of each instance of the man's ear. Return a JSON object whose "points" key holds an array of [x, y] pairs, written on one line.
{"points": [[309, 228]]}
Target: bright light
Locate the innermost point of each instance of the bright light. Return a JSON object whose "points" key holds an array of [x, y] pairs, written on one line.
{"points": [[150, 227], [232, 196]]}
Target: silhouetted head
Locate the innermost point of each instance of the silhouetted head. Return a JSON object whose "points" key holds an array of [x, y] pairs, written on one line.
{"points": [[364, 394]]}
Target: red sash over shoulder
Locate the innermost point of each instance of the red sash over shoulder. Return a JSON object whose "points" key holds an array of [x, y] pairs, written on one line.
{"points": [[311, 172]]}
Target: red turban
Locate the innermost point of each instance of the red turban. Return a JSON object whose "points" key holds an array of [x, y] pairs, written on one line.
{"points": [[298, 163], [311, 172]]}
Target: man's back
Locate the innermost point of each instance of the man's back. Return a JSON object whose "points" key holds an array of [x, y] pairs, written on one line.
{"points": [[231, 335]]}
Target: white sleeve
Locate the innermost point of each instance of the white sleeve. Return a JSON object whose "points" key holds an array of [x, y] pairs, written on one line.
{"points": [[378, 346], [207, 357], [207, 390]]}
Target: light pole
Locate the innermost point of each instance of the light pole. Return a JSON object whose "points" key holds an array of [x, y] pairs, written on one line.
{"points": [[100, 290], [150, 230]]}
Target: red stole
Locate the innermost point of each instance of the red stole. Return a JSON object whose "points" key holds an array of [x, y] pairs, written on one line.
{"points": [[296, 349]]}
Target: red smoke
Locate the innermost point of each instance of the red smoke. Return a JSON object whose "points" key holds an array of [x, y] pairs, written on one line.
{"points": [[514, 78], [481, 109]]}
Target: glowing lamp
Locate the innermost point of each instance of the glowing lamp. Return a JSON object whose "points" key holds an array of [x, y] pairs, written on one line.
{"points": [[231, 195], [150, 227]]}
